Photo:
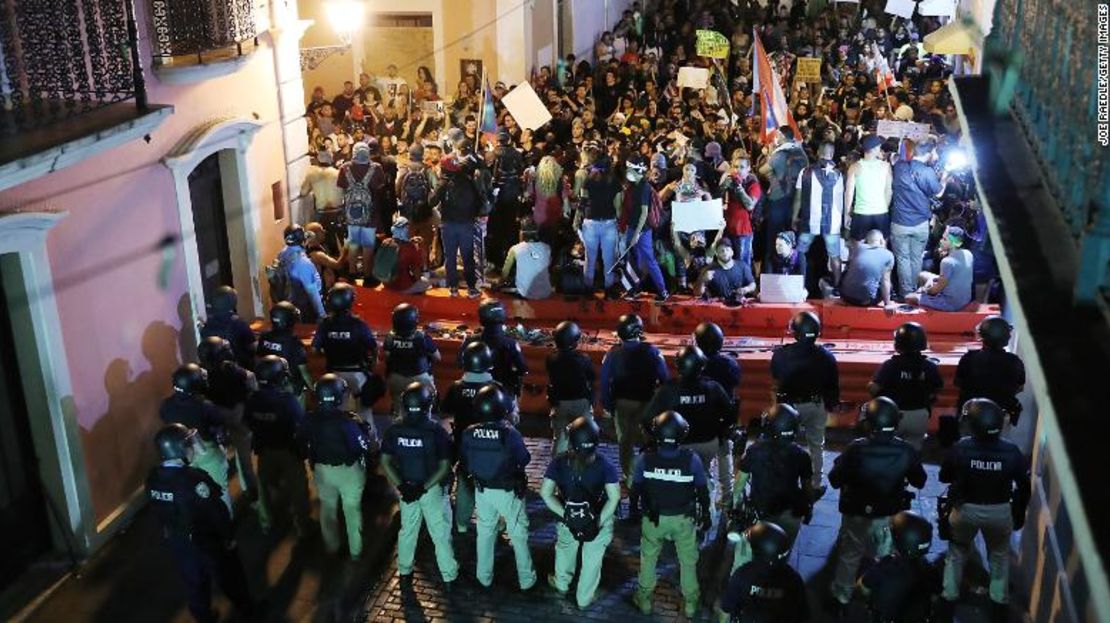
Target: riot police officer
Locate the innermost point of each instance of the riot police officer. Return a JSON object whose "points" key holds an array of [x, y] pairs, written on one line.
{"points": [[274, 415], [583, 489], [281, 341], [672, 487], [630, 372], [509, 367], [416, 456], [336, 447], [901, 587], [911, 380], [196, 525], [409, 354], [989, 491], [494, 455], [348, 344], [229, 385], [188, 406], [779, 472], [992, 372], [766, 588], [458, 406], [570, 387], [224, 322], [871, 474], [806, 377], [725, 369]]}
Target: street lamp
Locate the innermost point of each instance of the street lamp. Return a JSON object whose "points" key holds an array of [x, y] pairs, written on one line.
{"points": [[345, 17]]}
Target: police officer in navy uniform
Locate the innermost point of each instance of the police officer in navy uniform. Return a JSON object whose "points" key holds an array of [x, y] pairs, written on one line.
{"points": [[871, 474], [274, 415], [348, 344], [571, 379], [196, 525], [509, 367], [766, 588], [457, 405], [281, 341], [989, 492], [725, 369], [409, 354], [336, 444], [223, 321], [416, 455], [189, 407], [911, 380], [494, 455], [229, 385], [806, 377], [901, 587], [674, 493], [992, 372]]}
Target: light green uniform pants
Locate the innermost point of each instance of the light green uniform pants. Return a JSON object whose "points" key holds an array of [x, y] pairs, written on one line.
{"points": [[786, 520], [396, 384], [464, 502], [211, 458], [493, 504], [282, 478], [814, 418], [566, 558], [681, 530], [335, 484], [433, 510], [355, 381], [996, 524], [627, 416], [857, 533], [564, 412], [914, 426]]}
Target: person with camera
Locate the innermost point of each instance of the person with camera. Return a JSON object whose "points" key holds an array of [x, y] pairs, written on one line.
{"points": [[916, 184]]}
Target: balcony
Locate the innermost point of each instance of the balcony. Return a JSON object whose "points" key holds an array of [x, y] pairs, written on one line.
{"points": [[196, 40]]}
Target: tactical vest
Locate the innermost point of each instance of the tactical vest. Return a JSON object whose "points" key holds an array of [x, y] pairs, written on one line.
{"points": [[191, 412], [341, 344], [693, 403], [227, 385], [416, 452], [878, 487], [267, 415], [488, 455], [634, 371], [328, 434], [173, 496], [669, 481], [985, 471], [407, 355]]}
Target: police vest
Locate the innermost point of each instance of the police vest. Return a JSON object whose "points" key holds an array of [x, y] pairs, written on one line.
{"points": [[415, 451], [669, 481], [506, 355], [287, 346], [192, 412], [488, 455], [341, 344], [179, 496], [268, 413], [693, 402], [462, 403], [407, 355], [985, 471], [333, 438], [877, 488], [227, 384], [909, 390], [634, 371]]}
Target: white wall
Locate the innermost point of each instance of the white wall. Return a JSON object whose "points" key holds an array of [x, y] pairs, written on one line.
{"points": [[591, 18]]}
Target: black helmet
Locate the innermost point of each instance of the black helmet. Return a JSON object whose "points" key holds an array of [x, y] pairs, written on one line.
{"points": [[583, 434], [190, 379], [805, 326], [284, 315], [214, 349], [882, 414], [341, 297], [910, 338], [669, 428], [994, 331], [912, 533], [331, 390], [489, 403], [567, 335], [768, 541], [630, 327], [477, 357], [173, 441], [405, 317], [295, 235], [781, 421], [689, 362], [985, 416], [709, 338], [272, 370], [491, 312], [417, 401], [224, 300]]}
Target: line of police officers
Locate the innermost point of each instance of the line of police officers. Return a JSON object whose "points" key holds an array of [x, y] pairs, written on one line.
{"points": [[682, 425]]}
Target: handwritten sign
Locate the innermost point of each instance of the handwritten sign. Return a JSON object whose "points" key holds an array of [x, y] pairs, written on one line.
{"points": [[809, 69], [903, 129], [712, 44]]}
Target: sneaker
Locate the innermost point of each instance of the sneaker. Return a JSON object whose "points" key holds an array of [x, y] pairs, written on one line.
{"points": [[454, 293], [555, 585], [643, 604], [473, 293]]}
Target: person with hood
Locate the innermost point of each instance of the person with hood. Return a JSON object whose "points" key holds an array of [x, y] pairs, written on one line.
{"points": [[459, 200], [408, 274]]}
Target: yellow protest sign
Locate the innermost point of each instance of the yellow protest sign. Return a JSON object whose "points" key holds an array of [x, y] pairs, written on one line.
{"points": [[712, 44], [809, 70]]}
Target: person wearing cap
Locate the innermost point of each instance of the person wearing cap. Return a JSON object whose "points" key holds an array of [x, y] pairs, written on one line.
{"points": [[867, 191], [952, 289], [459, 201], [915, 185], [361, 181], [531, 260], [408, 275], [304, 280]]}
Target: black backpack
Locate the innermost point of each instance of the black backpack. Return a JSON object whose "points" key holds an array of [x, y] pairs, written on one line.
{"points": [[415, 191]]}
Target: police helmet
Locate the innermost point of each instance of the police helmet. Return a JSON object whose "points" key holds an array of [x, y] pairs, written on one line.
{"points": [[985, 416], [567, 335], [477, 357], [583, 434], [489, 402], [768, 541], [284, 315], [173, 441], [709, 338], [214, 349], [690, 362], [341, 297], [190, 379], [910, 338], [669, 428], [417, 400], [295, 235], [781, 421], [912, 534], [805, 326], [331, 390], [224, 300], [272, 370], [882, 414], [405, 318], [491, 312], [994, 331], [630, 327]]}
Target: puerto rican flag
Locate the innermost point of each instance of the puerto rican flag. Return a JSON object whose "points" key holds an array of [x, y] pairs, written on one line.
{"points": [[884, 77], [772, 102]]}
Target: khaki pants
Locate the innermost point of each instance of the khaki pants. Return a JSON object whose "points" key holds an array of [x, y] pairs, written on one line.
{"points": [[282, 478], [681, 530], [814, 418], [566, 559], [857, 535], [397, 383], [430, 509], [211, 458], [563, 413], [493, 504], [355, 381], [627, 417], [724, 472], [914, 426], [996, 524], [786, 520], [337, 484]]}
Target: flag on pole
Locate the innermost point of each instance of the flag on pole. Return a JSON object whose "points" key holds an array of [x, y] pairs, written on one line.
{"points": [[487, 123], [773, 106], [884, 77]]}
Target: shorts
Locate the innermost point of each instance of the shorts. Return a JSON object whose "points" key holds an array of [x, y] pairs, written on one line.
{"points": [[832, 243], [863, 223], [361, 236]]}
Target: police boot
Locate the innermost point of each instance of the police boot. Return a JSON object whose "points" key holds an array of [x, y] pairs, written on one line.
{"points": [[643, 604]]}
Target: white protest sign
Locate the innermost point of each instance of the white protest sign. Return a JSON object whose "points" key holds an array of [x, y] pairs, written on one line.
{"points": [[693, 77], [691, 216], [526, 107], [901, 8], [903, 129], [937, 8]]}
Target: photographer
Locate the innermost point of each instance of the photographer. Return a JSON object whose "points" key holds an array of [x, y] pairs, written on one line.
{"points": [[916, 185]]}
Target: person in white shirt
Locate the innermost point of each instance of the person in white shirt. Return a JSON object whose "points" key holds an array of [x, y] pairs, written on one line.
{"points": [[532, 260]]}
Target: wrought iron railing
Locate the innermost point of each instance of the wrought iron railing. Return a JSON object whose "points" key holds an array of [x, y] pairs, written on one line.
{"points": [[188, 29], [62, 58]]}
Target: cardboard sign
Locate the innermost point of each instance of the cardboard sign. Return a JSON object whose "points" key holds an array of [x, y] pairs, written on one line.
{"points": [[901, 8], [432, 107], [691, 216], [937, 8], [526, 107], [809, 69], [903, 129], [712, 44], [693, 77]]}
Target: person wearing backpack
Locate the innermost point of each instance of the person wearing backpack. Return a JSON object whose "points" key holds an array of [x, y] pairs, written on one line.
{"points": [[399, 262], [782, 168], [362, 182], [414, 187], [641, 214]]}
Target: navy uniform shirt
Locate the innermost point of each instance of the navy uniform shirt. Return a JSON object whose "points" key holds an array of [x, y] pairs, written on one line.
{"points": [[236, 331], [332, 437], [571, 376], [724, 369], [911, 381], [587, 485], [760, 591], [631, 371], [872, 473], [669, 476], [274, 417], [188, 505], [458, 403], [229, 384], [284, 344], [777, 469], [901, 589], [986, 472], [409, 355], [197, 413], [802, 371], [508, 360], [403, 441], [488, 443], [347, 342], [706, 407], [990, 373]]}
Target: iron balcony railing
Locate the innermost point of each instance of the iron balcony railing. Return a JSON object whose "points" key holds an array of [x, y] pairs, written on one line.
{"points": [[188, 30]]}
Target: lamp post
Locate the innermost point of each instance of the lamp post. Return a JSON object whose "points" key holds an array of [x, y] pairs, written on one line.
{"points": [[345, 17]]}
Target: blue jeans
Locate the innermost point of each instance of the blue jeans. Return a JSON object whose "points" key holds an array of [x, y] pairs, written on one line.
{"points": [[908, 244], [600, 238], [643, 256], [777, 220], [361, 236], [742, 249], [458, 238]]}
